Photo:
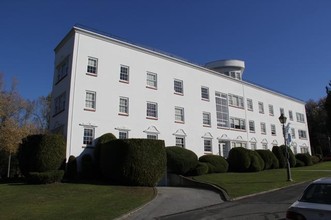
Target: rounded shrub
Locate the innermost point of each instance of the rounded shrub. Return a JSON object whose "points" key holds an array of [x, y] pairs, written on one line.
{"points": [[180, 160], [239, 159], [292, 159], [102, 140], [138, 162], [216, 163], [299, 163], [201, 169], [270, 160], [315, 159], [51, 176], [41, 153], [257, 163], [305, 158], [280, 156], [71, 171], [87, 167]]}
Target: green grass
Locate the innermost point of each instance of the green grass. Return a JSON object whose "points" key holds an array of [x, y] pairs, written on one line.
{"points": [[70, 201], [242, 184]]}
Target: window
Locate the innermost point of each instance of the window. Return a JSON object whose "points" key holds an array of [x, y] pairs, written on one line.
{"points": [[300, 118], [152, 136], [178, 87], [206, 119], [179, 114], [264, 146], [236, 101], [281, 111], [273, 129], [304, 150], [292, 133], [124, 105], [90, 100], [59, 103], [239, 144], [123, 135], [249, 104], [222, 110], [124, 73], [290, 114], [271, 110], [180, 142], [253, 146], [62, 69], [302, 134], [261, 108], [263, 128], [151, 110], [151, 80], [207, 143], [235, 74], [237, 123], [88, 136], [251, 126], [92, 66], [205, 93]]}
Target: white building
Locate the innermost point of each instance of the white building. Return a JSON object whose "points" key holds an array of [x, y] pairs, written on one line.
{"points": [[102, 84]]}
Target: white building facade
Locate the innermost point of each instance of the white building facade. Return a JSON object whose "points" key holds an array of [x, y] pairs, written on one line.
{"points": [[105, 85]]}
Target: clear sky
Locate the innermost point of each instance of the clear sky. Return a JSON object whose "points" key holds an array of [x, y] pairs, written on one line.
{"points": [[286, 44]]}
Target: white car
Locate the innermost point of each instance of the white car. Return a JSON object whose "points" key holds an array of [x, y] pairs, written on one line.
{"points": [[314, 204]]}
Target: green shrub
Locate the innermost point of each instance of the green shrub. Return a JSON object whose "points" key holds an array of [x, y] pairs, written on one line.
{"points": [[201, 169], [292, 159], [280, 156], [315, 159], [305, 158], [239, 159], [299, 163], [51, 176], [41, 153], [216, 164], [180, 160], [87, 167], [71, 171], [102, 140], [139, 162], [257, 163], [270, 160]]}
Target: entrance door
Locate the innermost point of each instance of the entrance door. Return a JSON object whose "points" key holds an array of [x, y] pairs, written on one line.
{"points": [[224, 148]]}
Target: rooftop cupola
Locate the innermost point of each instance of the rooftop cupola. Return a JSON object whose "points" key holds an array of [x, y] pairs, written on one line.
{"points": [[231, 68]]}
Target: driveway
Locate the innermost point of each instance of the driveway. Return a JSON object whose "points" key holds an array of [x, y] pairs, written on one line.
{"points": [[171, 200]]}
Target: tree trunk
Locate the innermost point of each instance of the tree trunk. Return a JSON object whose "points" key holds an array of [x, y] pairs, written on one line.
{"points": [[9, 161]]}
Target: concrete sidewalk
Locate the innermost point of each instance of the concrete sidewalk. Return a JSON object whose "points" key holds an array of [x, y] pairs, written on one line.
{"points": [[170, 200]]}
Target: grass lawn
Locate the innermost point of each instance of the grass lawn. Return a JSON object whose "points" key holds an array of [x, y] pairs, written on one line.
{"points": [[241, 184], [70, 201]]}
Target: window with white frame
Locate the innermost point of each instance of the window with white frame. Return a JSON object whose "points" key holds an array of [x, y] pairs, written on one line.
{"points": [[205, 93], [302, 134], [207, 143], [178, 86], [92, 66], [261, 108], [300, 118], [59, 103], [152, 136], [180, 141], [151, 80], [249, 104], [292, 133], [295, 150], [222, 109], [236, 101], [124, 73], [281, 111], [124, 105], [179, 114], [304, 150], [290, 115], [251, 126], [263, 128], [206, 119], [88, 136], [273, 129], [271, 110], [239, 144], [264, 146], [253, 146], [151, 111], [90, 100], [237, 123], [62, 69], [122, 134]]}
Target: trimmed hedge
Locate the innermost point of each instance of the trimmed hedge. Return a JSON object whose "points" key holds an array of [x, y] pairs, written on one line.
{"points": [[292, 159], [71, 171], [45, 177], [138, 162], [87, 167], [41, 153], [280, 153], [102, 140], [315, 159], [299, 163], [216, 163], [270, 160], [243, 160], [305, 158], [201, 169], [180, 160], [257, 163]]}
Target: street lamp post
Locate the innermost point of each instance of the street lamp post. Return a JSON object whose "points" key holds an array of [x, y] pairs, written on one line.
{"points": [[282, 120]]}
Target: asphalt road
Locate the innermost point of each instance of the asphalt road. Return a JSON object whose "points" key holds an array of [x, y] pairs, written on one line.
{"points": [[268, 206]]}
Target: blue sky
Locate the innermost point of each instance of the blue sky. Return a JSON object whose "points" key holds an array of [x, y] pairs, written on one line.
{"points": [[286, 44]]}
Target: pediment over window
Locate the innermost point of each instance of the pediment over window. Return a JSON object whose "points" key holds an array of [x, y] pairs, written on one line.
{"points": [[223, 137], [180, 132], [239, 138], [152, 129], [294, 144], [264, 141], [123, 128], [253, 140], [207, 135], [274, 143]]}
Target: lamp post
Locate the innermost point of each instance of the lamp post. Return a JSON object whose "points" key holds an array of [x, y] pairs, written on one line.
{"points": [[282, 120]]}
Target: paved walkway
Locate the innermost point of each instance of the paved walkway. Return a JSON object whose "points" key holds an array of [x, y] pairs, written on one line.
{"points": [[171, 200]]}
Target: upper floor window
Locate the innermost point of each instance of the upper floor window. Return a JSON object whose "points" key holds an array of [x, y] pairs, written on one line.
{"points": [[263, 128], [178, 86], [237, 123], [281, 111], [292, 133], [59, 103], [90, 100], [300, 117], [250, 104], [271, 110], [273, 129], [222, 109], [302, 134], [261, 108], [62, 69], [207, 143], [124, 105], [205, 93], [151, 80], [235, 74], [124, 73], [179, 114], [290, 115], [206, 119], [151, 111], [236, 101], [92, 66], [251, 126], [88, 136]]}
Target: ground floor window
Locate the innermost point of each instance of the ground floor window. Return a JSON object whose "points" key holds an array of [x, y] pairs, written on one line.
{"points": [[123, 134], [253, 146], [207, 143], [88, 136], [152, 136], [239, 144], [304, 150], [180, 142]]}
